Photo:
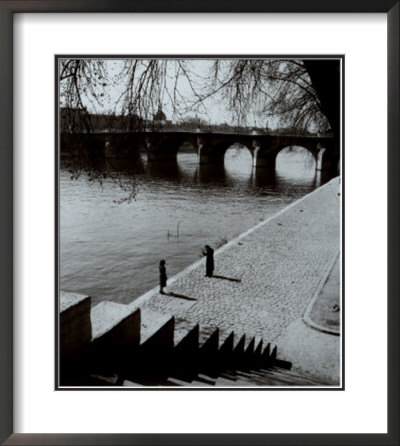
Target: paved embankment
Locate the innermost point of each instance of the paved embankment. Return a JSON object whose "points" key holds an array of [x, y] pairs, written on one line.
{"points": [[265, 278], [313, 342], [264, 281]]}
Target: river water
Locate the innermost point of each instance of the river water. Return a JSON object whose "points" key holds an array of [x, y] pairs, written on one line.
{"points": [[110, 246]]}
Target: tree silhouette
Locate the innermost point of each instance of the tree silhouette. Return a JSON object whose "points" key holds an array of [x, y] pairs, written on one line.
{"points": [[294, 93]]}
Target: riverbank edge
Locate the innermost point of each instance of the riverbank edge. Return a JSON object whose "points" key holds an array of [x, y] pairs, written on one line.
{"points": [[143, 298]]}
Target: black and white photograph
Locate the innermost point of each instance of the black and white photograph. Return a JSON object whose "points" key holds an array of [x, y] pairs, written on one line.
{"points": [[199, 215]]}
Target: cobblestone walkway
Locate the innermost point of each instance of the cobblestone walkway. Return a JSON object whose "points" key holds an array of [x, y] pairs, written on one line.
{"points": [[264, 278]]}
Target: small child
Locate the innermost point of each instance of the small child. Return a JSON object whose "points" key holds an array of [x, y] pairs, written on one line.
{"points": [[163, 276]]}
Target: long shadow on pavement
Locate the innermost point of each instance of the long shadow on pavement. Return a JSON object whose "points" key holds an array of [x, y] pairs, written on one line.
{"points": [[232, 279], [180, 296]]}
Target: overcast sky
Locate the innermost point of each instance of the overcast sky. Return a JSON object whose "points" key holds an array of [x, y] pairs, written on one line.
{"points": [[215, 109]]}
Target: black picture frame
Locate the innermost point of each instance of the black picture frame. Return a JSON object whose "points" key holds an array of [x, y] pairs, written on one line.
{"points": [[7, 9]]}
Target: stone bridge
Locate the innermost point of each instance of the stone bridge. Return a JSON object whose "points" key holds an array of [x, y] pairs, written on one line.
{"points": [[210, 147]]}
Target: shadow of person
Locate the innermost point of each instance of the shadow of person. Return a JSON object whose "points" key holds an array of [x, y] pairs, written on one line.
{"points": [[180, 296], [232, 279]]}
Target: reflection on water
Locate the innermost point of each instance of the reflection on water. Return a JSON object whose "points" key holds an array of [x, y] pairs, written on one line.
{"points": [[111, 251], [296, 164]]}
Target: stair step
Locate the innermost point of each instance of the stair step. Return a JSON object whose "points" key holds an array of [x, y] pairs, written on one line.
{"points": [[288, 375], [145, 383], [250, 377], [205, 378], [253, 379], [256, 373], [106, 315], [196, 383], [226, 336], [205, 333], [115, 336], [105, 380], [182, 329], [223, 382], [151, 323], [177, 382], [273, 377], [231, 376], [128, 383], [170, 383]]}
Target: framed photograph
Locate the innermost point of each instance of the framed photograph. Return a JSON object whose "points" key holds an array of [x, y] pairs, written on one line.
{"points": [[164, 160], [200, 233]]}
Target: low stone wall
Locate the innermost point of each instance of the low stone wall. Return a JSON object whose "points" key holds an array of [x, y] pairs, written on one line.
{"points": [[75, 324]]}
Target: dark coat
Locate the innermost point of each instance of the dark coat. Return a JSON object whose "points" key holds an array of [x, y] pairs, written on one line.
{"points": [[163, 276], [209, 253]]}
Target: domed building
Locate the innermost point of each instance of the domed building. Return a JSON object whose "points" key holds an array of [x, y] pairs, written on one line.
{"points": [[160, 118]]}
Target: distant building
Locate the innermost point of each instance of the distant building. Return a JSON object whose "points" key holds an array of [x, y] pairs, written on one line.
{"points": [[74, 119], [160, 119], [79, 120]]}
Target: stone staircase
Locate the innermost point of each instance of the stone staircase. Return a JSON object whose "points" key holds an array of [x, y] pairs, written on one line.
{"points": [[273, 377], [174, 352], [138, 347]]}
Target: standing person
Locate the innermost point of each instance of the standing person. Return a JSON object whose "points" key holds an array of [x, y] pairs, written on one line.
{"points": [[209, 253], [163, 276]]}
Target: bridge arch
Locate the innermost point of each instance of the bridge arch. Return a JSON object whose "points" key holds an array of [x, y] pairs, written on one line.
{"points": [[266, 154], [312, 149], [187, 145], [214, 152], [187, 154], [238, 158], [296, 162], [165, 148]]}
